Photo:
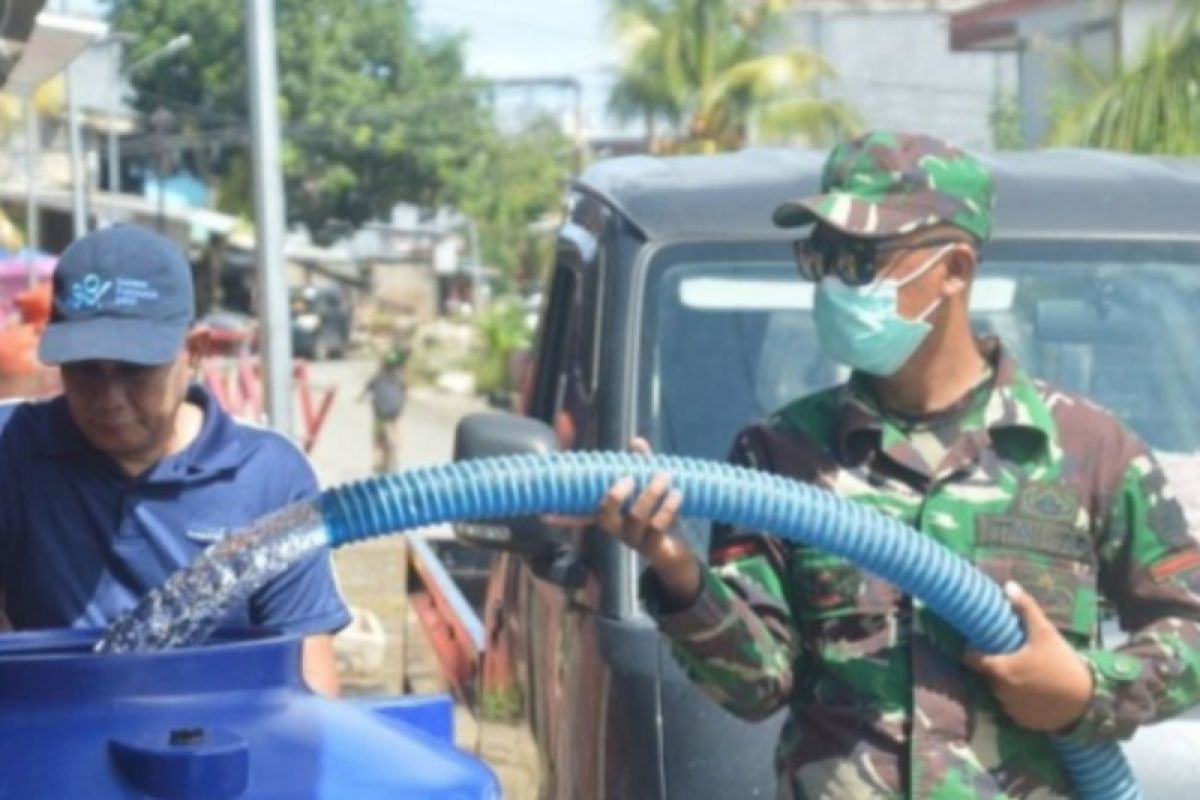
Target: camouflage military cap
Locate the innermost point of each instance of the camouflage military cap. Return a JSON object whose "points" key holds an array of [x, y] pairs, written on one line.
{"points": [[887, 184]]}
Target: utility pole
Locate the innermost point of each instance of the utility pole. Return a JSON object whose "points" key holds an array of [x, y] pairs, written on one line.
{"points": [[114, 155], [79, 179], [181, 42], [161, 122], [276, 342], [79, 214], [32, 154]]}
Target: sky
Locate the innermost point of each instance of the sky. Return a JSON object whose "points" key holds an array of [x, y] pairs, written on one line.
{"points": [[527, 38], [516, 39]]}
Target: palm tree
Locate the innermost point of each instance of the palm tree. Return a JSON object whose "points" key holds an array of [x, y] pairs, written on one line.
{"points": [[701, 69], [1151, 107]]}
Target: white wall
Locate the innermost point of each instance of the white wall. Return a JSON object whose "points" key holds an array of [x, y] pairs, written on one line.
{"points": [[95, 74], [1048, 34], [896, 70], [1138, 18]]}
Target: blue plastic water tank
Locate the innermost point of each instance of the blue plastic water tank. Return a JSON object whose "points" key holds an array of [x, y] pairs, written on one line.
{"points": [[227, 720]]}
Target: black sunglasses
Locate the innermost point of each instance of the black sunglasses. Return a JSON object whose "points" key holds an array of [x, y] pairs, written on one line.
{"points": [[855, 261]]}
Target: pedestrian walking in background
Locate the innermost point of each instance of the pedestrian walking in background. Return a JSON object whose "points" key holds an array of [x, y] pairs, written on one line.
{"points": [[389, 392]]}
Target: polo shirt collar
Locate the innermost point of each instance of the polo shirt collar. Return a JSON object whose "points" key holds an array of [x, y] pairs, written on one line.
{"points": [[215, 449], [56, 434]]}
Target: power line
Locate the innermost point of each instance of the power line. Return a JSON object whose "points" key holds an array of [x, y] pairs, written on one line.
{"points": [[191, 108], [238, 135], [408, 110]]}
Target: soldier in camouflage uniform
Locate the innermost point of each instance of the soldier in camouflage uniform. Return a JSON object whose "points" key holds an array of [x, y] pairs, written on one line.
{"points": [[1044, 491]]}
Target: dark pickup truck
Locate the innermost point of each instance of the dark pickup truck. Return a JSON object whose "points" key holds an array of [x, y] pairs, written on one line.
{"points": [[674, 312]]}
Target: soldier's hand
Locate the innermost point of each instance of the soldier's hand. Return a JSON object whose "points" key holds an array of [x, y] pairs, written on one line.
{"points": [[652, 516], [655, 512], [1044, 686], [650, 526]]}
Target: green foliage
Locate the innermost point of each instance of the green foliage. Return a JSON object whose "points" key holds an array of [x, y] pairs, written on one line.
{"points": [[1006, 123], [1151, 107], [500, 332], [501, 704], [437, 347], [372, 112], [510, 184], [702, 69]]}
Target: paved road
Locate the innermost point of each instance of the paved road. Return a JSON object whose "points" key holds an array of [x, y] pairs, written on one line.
{"points": [[343, 449]]}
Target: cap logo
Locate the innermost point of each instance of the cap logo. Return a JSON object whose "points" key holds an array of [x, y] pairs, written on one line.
{"points": [[88, 292], [132, 291]]}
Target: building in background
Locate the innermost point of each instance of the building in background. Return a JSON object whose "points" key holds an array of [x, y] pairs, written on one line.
{"points": [[16, 26], [1046, 37], [895, 66]]}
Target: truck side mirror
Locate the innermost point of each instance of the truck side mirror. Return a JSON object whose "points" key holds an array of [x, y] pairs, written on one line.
{"points": [[487, 434]]}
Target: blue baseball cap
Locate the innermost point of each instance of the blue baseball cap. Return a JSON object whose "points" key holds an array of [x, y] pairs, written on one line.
{"points": [[123, 293]]}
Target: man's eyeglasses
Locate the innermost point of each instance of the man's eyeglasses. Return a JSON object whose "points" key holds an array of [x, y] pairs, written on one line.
{"points": [[856, 261], [95, 373]]}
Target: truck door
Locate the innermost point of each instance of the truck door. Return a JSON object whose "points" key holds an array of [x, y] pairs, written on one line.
{"points": [[536, 667]]}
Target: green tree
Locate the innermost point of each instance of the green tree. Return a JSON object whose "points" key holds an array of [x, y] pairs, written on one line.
{"points": [[1005, 120], [1152, 106], [703, 70], [500, 331], [509, 186], [373, 112]]}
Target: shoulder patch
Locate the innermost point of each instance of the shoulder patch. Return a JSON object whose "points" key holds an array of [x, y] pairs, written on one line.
{"points": [[734, 551], [1174, 565], [1053, 502]]}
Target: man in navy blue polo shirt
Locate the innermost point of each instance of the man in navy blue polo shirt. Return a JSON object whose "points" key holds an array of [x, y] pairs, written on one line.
{"points": [[108, 489]]}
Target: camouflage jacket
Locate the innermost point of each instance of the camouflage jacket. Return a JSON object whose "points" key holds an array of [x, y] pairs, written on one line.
{"points": [[1029, 483]]}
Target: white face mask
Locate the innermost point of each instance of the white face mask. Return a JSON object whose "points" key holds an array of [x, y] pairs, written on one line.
{"points": [[861, 326]]}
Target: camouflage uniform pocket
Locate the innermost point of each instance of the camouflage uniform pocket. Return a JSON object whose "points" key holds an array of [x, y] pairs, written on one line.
{"points": [[1049, 561], [849, 625], [828, 588]]}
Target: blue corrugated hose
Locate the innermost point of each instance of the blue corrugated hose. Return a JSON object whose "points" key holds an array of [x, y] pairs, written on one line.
{"points": [[572, 484]]}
